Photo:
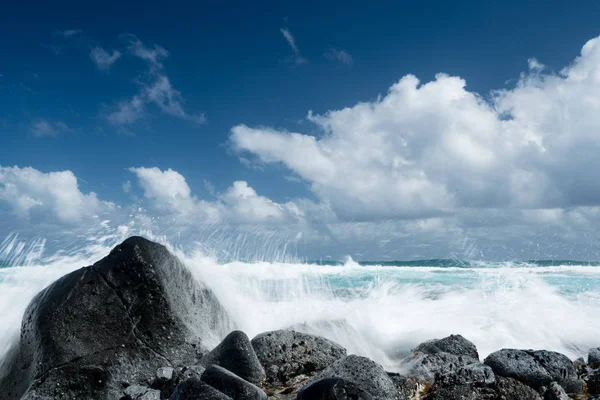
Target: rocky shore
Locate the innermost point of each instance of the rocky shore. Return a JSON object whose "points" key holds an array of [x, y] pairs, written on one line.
{"points": [[136, 325]]}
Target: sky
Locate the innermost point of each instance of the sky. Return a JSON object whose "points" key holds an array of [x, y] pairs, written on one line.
{"points": [[402, 130]]}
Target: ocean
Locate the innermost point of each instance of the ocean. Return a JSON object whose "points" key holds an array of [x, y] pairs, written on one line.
{"points": [[377, 309]]}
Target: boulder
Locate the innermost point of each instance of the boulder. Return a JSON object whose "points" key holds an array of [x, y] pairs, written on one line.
{"points": [[364, 373], [594, 358], [512, 389], [461, 392], [536, 368], [232, 385], [286, 354], [138, 392], [593, 382], [406, 387], [555, 392], [195, 389], [236, 354], [333, 389], [476, 374], [453, 344], [426, 366], [114, 322]]}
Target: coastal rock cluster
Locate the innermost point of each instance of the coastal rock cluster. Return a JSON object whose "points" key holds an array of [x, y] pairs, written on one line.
{"points": [[137, 326]]}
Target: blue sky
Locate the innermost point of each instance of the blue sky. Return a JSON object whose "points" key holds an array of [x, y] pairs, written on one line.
{"points": [[212, 92]]}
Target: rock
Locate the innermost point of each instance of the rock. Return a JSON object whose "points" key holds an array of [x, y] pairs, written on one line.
{"points": [[236, 354], [164, 374], [512, 389], [285, 354], [461, 392], [536, 368], [406, 387], [195, 389], [476, 374], [333, 389], [593, 382], [453, 344], [135, 391], [426, 366], [134, 311], [594, 358], [364, 373], [232, 385], [555, 392]]}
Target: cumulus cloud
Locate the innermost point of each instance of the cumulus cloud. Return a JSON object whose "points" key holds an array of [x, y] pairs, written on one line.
{"points": [[42, 127], [169, 191], [297, 58], [426, 150], [333, 54], [68, 33], [103, 59], [156, 89], [27, 191]]}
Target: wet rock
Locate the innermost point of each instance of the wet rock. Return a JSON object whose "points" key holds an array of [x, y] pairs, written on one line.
{"points": [[453, 344], [285, 354], [594, 358], [407, 387], [232, 385], [512, 389], [536, 368], [236, 354], [364, 373], [134, 311], [476, 374], [593, 382], [333, 389], [555, 392], [426, 366], [195, 389]]}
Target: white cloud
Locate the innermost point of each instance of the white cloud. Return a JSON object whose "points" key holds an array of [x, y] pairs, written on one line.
{"points": [[67, 33], [42, 127], [157, 90], [427, 150], [103, 59], [169, 191], [340, 55], [27, 190], [298, 59]]}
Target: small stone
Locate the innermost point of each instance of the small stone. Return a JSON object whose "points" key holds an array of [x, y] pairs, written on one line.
{"points": [[135, 391], [164, 374]]}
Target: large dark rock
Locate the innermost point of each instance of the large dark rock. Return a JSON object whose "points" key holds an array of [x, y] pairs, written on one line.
{"points": [[115, 322], [232, 385], [536, 368], [453, 344], [555, 392], [364, 373], [594, 358], [195, 389], [286, 354], [236, 354], [461, 392], [426, 366], [512, 389], [333, 389], [593, 382]]}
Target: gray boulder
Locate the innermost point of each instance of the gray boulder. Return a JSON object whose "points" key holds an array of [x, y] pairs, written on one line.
{"points": [[286, 354], [232, 385], [453, 344], [594, 358], [195, 389], [535, 368], [461, 392], [236, 354], [426, 366], [476, 374], [119, 320], [512, 389], [593, 382], [333, 389], [364, 373], [406, 387]]}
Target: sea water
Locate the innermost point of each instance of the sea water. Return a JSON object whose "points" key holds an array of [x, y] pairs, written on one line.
{"points": [[377, 309]]}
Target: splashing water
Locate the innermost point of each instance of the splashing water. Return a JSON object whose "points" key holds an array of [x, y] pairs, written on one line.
{"points": [[379, 310]]}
